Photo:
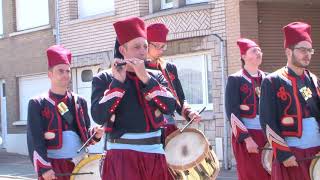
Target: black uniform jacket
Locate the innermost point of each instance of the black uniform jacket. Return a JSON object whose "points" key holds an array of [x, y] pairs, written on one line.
{"points": [[45, 126], [283, 106], [242, 100], [130, 106]]}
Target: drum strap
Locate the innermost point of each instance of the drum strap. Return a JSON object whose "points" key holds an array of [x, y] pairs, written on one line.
{"points": [[145, 141]]}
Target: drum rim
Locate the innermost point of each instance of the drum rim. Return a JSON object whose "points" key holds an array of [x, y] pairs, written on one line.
{"points": [[312, 165], [85, 161], [199, 159], [267, 145]]}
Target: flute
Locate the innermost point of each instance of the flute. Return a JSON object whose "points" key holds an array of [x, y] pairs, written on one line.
{"points": [[119, 64]]}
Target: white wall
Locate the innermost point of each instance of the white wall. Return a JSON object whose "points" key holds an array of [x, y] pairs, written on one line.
{"points": [[17, 143]]}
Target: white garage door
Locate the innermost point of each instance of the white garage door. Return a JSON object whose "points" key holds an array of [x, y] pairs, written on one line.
{"points": [[30, 86]]}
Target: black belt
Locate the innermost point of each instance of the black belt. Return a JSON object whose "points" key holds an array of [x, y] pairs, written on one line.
{"points": [[145, 141]]}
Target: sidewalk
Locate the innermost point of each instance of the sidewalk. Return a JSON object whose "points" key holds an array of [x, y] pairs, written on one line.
{"points": [[15, 166]]}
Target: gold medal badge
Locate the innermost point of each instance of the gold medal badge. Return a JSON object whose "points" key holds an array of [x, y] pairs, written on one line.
{"points": [[62, 107], [306, 93]]}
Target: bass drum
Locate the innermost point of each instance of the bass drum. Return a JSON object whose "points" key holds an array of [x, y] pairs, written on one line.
{"points": [[90, 163], [314, 169]]}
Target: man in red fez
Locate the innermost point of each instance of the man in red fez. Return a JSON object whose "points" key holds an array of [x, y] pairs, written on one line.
{"points": [[289, 111], [242, 109], [131, 101], [58, 121], [157, 39]]}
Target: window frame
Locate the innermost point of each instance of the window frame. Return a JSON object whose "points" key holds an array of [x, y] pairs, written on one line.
{"points": [[18, 28], [1, 18], [189, 2], [22, 116], [105, 13], [165, 5], [206, 57]]}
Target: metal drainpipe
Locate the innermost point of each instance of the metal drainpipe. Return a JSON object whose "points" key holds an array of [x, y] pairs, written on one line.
{"points": [[57, 19], [225, 123]]}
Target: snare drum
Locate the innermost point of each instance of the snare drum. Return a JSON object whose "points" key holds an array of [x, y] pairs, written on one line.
{"points": [[90, 163], [189, 155]]}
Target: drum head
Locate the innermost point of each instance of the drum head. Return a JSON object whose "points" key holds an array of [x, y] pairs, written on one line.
{"points": [[86, 165], [266, 158], [185, 150], [314, 169]]}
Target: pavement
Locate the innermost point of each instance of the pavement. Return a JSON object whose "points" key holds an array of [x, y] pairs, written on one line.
{"points": [[15, 166]]}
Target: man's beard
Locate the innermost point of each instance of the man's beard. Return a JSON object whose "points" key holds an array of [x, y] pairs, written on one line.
{"points": [[296, 63]]}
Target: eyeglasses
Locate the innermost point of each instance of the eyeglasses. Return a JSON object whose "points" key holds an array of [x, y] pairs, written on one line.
{"points": [[305, 50], [163, 47]]}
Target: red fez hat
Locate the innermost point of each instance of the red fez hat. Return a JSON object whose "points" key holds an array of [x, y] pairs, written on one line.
{"points": [[296, 32], [244, 44], [157, 32], [57, 54], [129, 28]]}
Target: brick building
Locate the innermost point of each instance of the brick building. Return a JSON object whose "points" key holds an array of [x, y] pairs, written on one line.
{"points": [[27, 30]]}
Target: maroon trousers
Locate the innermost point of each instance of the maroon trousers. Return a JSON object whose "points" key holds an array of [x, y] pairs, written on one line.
{"points": [[279, 172], [134, 165], [61, 166], [249, 165]]}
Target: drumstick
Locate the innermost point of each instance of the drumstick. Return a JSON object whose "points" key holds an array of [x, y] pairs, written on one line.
{"points": [[80, 149], [181, 130], [72, 174], [308, 158]]}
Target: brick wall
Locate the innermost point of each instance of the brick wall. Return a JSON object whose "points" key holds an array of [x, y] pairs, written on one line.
{"points": [[21, 54]]}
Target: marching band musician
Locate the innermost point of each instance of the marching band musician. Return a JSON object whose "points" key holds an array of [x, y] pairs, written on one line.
{"points": [[289, 107], [131, 101], [157, 39], [58, 121], [241, 101]]}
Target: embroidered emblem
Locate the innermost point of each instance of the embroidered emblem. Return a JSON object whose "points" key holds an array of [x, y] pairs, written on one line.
{"points": [[244, 107], [49, 135], [46, 113], [282, 94], [244, 88], [287, 121], [306, 93]]}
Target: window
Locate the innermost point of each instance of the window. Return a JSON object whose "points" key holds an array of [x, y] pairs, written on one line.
{"points": [[27, 91], [31, 14], [165, 4], [195, 74], [88, 8], [195, 1], [1, 20]]}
